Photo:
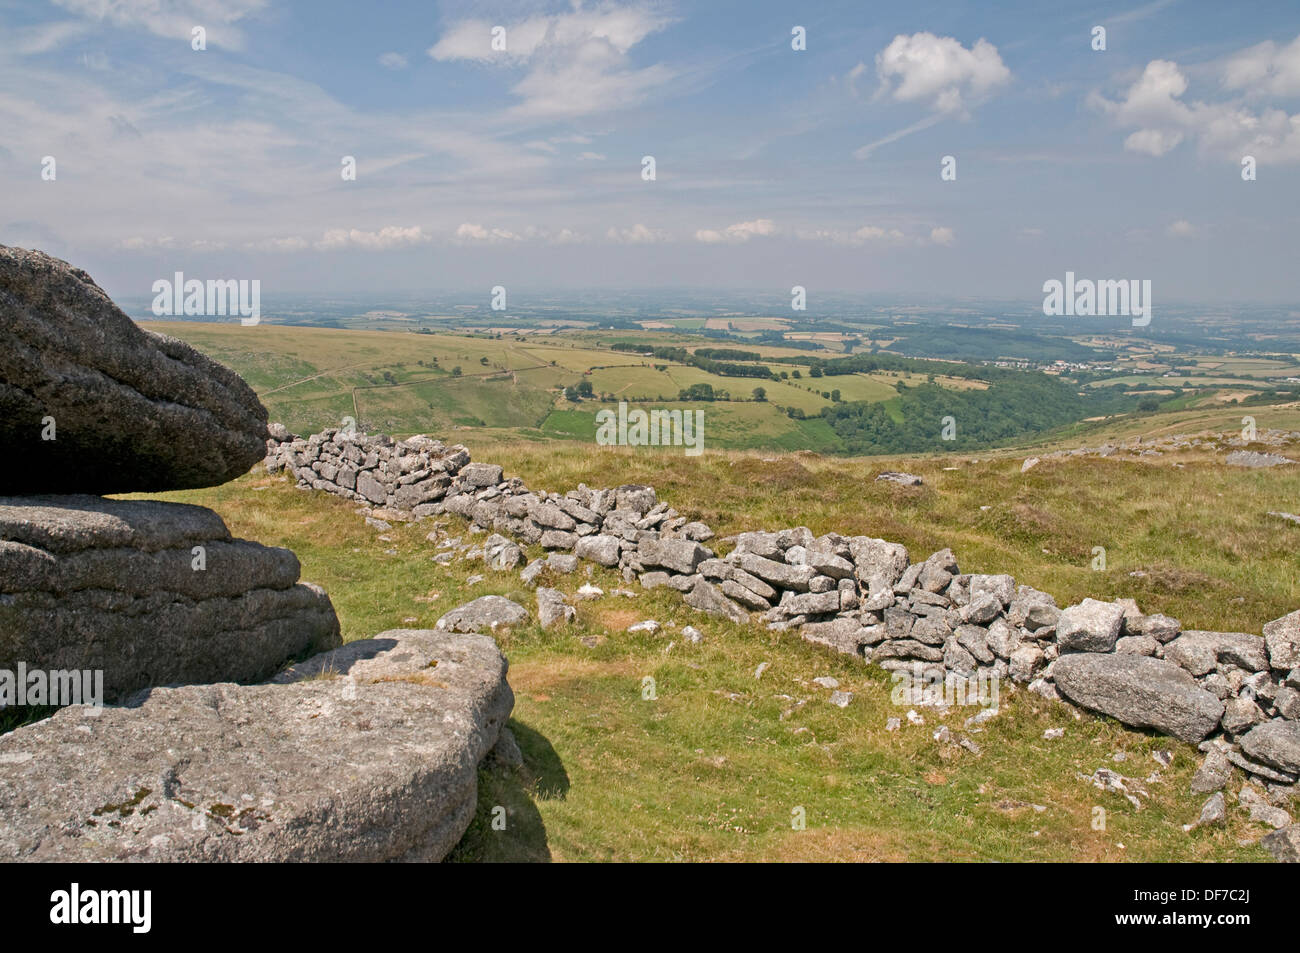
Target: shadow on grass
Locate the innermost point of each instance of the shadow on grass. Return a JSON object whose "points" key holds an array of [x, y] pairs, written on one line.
{"points": [[518, 835]]}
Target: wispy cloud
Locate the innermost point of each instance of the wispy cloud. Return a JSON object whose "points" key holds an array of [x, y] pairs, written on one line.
{"points": [[575, 63]]}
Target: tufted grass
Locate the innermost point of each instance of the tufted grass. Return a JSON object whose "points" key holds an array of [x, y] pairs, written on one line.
{"points": [[713, 767]]}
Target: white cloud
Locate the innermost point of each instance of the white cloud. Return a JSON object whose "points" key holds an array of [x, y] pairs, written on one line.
{"points": [[577, 62], [391, 236], [173, 18], [740, 232], [289, 243], [472, 232], [621, 28], [1154, 107], [393, 61], [879, 235], [1153, 142], [1265, 69], [591, 157], [939, 71], [1182, 229], [136, 243], [638, 234]]}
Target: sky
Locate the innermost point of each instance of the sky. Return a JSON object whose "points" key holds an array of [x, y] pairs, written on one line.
{"points": [[773, 166]]}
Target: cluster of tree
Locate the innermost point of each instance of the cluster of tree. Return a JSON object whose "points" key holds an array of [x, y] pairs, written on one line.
{"points": [[776, 338], [682, 356], [928, 417], [577, 392], [701, 392], [727, 354]]}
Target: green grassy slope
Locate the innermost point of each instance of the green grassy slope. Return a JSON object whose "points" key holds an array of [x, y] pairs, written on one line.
{"points": [[715, 764]]}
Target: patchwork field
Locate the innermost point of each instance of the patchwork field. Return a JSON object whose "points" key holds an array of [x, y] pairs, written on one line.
{"points": [[509, 386]]}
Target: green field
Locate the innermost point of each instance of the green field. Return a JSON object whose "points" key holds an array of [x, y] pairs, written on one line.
{"points": [[510, 387], [312, 378], [727, 426]]}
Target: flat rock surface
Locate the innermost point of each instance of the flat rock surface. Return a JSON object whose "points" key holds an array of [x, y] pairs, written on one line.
{"points": [[90, 583], [1255, 459], [134, 411], [369, 752], [484, 614], [1139, 691]]}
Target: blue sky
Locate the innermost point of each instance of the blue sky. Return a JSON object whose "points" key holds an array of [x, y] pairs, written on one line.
{"points": [[774, 167]]}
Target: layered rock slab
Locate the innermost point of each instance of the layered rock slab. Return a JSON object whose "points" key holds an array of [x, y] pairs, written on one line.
{"points": [[151, 593], [365, 753], [133, 411]]}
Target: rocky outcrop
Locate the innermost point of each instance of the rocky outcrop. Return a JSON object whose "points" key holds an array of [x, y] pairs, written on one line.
{"points": [[365, 752], [150, 593], [369, 752], [96, 404]]}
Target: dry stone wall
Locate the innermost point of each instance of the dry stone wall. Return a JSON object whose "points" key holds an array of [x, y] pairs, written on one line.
{"points": [[1237, 695]]}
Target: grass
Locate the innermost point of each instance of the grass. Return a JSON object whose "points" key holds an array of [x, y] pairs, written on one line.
{"points": [[713, 767]]}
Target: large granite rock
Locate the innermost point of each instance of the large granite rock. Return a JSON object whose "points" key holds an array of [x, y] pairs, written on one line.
{"points": [[133, 411], [1276, 743], [1139, 691], [114, 585], [1091, 626], [1284, 845], [1200, 652], [366, 753], [1282, 636]]}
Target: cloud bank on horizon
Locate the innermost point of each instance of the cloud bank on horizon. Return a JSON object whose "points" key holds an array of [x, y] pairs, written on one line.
{"points": [[936, 147]]}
